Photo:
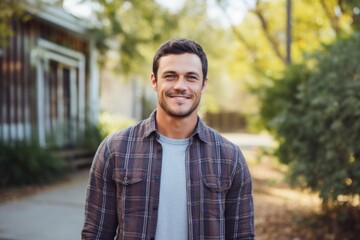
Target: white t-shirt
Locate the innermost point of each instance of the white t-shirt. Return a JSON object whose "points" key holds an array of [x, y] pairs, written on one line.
{"points": [[172, 213]]}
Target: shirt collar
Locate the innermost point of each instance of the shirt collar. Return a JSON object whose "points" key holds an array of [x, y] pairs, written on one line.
{"points": [[200, 131], [150, 128], [150, 124]]}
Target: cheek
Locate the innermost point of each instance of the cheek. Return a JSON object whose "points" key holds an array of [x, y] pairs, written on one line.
{"points": [[164, 87], [199, 90]]}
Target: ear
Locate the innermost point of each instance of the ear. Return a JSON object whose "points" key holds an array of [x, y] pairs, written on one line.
{"points": [[153, 82], [204, 85]]}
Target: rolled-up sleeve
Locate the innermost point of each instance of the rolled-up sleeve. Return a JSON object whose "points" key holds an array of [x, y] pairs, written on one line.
{"points": [[100, 208]]}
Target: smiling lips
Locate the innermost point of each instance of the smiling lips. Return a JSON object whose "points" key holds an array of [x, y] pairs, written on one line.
{"points": [[179, 96], [179, 99]]}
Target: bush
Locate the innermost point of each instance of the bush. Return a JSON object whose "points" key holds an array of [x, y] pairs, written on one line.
{"points": [[25, 163], [92, 136], [314, 111], [110, 123]]}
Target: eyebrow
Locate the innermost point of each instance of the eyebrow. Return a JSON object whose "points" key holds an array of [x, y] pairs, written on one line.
{"points": [[168, 72], [187, 73], [193, 73]]}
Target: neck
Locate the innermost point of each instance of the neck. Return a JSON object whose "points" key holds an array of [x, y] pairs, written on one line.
{"points": [[177, 128]]}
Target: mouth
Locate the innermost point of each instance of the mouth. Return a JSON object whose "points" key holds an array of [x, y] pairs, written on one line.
{"points": [[179, 99], [179, 96]]}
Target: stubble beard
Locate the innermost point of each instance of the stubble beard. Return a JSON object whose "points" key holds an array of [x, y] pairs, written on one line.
{"points": [[178, 113]]}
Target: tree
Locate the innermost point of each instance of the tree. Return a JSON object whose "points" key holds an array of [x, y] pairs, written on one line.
{"points": [[9, 8], [131, 26], [16, 8], [314, 111], [261, 38], [313, 22]]}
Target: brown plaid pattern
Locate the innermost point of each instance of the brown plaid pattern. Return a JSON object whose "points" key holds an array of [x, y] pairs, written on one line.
{"points": [[123, 193]]}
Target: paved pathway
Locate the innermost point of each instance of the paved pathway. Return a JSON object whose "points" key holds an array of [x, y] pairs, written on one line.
{"points": [[54, 214], [58, 212], [250, 141]]}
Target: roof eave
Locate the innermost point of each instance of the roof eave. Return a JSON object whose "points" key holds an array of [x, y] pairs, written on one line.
{"points": [[59, 17]]}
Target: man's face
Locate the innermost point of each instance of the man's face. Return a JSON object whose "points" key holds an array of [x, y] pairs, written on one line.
{"points": [[179, 84]]}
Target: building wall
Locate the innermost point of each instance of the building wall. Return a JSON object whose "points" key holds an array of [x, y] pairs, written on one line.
{"points": [[19, 90]]}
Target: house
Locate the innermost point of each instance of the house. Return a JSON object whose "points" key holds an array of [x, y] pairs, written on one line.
{"points": [[49, 80]]}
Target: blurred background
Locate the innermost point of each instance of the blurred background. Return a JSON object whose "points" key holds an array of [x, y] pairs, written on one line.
{"points": [[284, 83]]}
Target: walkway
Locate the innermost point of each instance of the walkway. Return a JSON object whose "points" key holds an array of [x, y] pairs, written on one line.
{"points": [[54, 214]]}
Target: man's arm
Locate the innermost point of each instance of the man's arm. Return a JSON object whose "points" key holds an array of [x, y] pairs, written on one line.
{"points": [[100, 210], [239, 209]]}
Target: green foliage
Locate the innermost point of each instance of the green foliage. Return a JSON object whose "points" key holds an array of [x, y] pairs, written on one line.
{"points": [[9, 8], [131, 25], [281, 89], [314, 111], [111, 123], [92, 136], [25, 163]]}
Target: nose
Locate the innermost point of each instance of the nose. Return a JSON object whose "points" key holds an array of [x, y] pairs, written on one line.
{"points": [[180, 83]]}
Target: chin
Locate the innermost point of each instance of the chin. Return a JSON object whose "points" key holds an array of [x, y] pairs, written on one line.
{"points": [[181, 114]]}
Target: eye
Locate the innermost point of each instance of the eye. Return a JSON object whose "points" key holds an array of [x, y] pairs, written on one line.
{"points": [[192, 78], [170, 76]]}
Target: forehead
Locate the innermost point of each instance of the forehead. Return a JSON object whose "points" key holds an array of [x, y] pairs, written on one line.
{"points": [[186, 62]]}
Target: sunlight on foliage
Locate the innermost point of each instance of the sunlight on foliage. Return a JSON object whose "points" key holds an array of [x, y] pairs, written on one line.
{"points": [[111, 123]]}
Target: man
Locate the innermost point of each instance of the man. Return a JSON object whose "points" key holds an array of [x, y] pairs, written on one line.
{"points": [[170, 176]]}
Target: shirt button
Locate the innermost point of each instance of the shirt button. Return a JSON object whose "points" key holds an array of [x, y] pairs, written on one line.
{"points": [[218, 182]]}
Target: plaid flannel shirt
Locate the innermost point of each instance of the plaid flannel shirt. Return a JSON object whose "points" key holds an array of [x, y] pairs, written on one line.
{"points": [[123, 192]]}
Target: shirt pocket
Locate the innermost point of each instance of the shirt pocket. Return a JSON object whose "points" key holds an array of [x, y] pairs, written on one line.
{"points": [[217, 183], [214, 196], [131, 189], [126, 177]]}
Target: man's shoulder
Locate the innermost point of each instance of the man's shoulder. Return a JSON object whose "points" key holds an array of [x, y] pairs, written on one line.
{"points": [[215, 138], [221, 145], [137, 130]]}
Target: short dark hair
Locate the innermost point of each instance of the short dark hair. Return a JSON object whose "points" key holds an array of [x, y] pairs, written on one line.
{"points": [[180, 46]]}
